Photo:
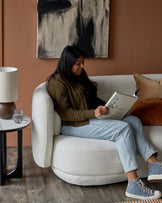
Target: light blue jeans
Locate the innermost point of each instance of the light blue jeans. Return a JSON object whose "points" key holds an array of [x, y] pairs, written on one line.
{"points": [[127, 134]]}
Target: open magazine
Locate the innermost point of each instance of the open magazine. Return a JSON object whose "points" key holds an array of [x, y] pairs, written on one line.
{"points": [[119, 104]]}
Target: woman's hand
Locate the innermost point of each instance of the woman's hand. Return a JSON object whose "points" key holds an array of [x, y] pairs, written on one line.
{"points": [[101, 110]]}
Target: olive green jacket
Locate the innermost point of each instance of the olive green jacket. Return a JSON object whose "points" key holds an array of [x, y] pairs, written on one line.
{"points": [[69, 102]]}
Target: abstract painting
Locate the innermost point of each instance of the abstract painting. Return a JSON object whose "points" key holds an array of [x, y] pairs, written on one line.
{"points": [[84, 23]]}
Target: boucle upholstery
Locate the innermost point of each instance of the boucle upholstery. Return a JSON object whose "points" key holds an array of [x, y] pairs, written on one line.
{"points": [[83, 161]]}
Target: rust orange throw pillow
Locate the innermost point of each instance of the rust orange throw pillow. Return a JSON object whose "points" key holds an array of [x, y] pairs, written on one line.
{"points": [[149, 111]]}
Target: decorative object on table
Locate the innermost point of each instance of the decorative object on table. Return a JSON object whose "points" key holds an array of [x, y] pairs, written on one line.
{"points": [[80, 22], [8, 91], [18, 115]]}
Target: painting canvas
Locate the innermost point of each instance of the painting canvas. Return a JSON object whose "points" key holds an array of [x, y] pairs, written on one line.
{"points": [[84, 23]]}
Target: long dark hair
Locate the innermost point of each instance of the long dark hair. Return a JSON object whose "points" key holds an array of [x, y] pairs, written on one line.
{"points": [[67, 59]]}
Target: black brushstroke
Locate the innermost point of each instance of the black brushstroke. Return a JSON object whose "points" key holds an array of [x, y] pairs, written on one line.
{"points": [[42, 53], [85, 33], [45, 6]]}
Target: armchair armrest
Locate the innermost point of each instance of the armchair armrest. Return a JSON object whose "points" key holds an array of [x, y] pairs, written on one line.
{"points": [[42, 126]]}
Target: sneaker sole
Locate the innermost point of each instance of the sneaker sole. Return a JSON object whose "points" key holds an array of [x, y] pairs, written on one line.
{"points": [[155, 178], [141, 197]]}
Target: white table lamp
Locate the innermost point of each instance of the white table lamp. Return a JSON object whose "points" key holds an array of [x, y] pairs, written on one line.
{"points": [[8, 91]]}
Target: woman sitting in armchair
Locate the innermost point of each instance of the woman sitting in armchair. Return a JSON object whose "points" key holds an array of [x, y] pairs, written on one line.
{"points": [[76, 102]]}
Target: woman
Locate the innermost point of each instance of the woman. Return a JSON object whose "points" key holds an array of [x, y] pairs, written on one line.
{"points": [[76, 101]]}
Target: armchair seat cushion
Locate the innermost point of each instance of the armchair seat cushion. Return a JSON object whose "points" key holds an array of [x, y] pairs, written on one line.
{"points": [[84, 161]]}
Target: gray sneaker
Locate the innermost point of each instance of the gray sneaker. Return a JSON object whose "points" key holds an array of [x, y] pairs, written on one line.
{"points": [[155, 171], [137, 189]]}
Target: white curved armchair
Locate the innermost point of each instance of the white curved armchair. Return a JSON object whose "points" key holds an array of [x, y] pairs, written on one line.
{"points": [[76, 160]]}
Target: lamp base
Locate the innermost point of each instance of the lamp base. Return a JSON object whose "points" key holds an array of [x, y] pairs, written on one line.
{"points": [[7, 110]]}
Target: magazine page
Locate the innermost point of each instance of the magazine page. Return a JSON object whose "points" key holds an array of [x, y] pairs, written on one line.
{"points": [[119, 104]]}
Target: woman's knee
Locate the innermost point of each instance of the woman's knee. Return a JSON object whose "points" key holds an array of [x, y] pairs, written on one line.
{"points": [[126, 131], [133, 121]]}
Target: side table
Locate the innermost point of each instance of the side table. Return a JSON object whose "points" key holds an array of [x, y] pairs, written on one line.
{"points": [[8, 125]]}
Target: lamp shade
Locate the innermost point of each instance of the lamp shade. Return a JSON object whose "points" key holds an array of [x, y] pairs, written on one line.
{"points": [[8, 84]]}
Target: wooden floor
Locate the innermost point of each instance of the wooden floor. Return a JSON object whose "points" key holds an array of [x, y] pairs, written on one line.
{"points": [[42, 185]]}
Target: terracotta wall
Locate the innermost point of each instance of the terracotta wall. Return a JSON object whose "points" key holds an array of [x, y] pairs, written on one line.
{"points": [[135, 45]]}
